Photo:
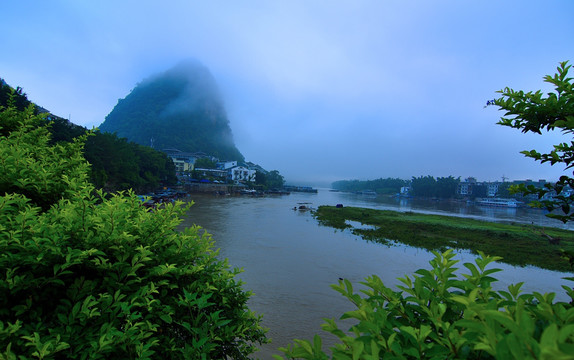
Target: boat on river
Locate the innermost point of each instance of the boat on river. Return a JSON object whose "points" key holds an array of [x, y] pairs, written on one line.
{"points": [[303, 206], [511, 203], [367, 193]]}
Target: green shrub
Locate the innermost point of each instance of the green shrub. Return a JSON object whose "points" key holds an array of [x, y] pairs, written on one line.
{"points": [[84, 274], [436, 315]]}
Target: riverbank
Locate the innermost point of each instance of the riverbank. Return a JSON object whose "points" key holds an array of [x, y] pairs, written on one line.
{"points": [[290, 262], [518, 244]]}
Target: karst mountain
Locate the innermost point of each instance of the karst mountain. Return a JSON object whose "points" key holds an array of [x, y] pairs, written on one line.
{"points": [[180, 108]]}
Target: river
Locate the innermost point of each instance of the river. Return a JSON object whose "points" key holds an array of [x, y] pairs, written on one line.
{"points": [[290, 261]]}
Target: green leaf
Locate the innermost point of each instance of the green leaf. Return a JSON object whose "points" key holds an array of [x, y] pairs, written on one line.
{"points": [[358, 348], [549, 337], [166, 318]]}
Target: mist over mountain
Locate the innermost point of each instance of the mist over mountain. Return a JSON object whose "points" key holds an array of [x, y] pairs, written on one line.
{"points": [[180, 108]]}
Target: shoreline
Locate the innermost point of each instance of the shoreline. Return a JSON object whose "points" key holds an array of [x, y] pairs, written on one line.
{"points": [[518, 244]]}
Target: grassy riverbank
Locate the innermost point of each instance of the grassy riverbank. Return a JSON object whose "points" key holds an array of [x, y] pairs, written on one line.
{"points": [[518, 244]]}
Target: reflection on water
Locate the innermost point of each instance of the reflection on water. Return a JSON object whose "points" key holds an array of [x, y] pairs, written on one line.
{"points": [[290, 261], [524, 215]]}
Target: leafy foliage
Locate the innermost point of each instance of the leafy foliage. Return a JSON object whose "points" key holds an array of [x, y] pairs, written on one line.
{"points": [[274, 180], [532, 112], [260, 178], [423, 186], [205, 163], [120, 165], [446, 186], [115, 163], [16, 97], [436, 315], [181, 109], [428, 186], [41, 173], [269, 180], [89, 275]]}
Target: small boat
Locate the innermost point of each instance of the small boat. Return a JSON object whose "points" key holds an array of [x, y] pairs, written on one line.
{"points": [[277, 192], [367, 193], [303, 206], [512, 203]]}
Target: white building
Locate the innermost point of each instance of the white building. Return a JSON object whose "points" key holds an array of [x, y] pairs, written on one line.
{"points": [[226, 165], [242, 174], [465, 188], [492, 189]]}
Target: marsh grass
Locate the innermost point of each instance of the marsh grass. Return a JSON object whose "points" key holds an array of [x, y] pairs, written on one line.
{"points": [[518, 244]]}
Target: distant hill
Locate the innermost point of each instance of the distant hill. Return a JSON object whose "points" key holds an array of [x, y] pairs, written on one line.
{"points": [[180, 108], [116, 164]]}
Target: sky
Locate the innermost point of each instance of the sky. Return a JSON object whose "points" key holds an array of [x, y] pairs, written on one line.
{"points": [[319, 90]]}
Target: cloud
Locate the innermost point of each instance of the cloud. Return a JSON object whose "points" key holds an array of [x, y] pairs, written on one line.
{"points": [[358, 89]]}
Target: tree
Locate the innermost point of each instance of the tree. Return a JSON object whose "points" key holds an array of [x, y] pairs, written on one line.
{"points": [[17, 96], [424, 186], [532, 112], [446, 186], [478, 191], [504, 190], [274, 180], [205, 163], [260, 178], [85, 274], [428, 186], [115, 164]]}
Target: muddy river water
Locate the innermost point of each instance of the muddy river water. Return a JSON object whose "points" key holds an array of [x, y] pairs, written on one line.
{"points": [[290, 261]]}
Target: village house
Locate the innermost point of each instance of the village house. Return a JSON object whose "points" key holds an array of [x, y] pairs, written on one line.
{"points": [[226, 165], [465, 187], [183, 161], [240, 174], [226, 171], [492, 188]]}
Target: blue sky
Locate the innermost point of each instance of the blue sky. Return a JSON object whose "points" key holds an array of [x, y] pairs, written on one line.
{"points": [[319, 90]]}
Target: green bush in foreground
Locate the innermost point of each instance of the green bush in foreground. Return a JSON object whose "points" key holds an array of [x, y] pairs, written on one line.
{"points": [[436, 315], [87, 275]]}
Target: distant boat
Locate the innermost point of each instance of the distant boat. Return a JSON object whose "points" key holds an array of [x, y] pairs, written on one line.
{"points": [[277, 192], [512, 203], [367, 193], [303, 206]]}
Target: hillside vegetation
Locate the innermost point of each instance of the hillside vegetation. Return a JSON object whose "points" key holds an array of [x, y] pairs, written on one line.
{"points": [[116, 164], [180, 108]]}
